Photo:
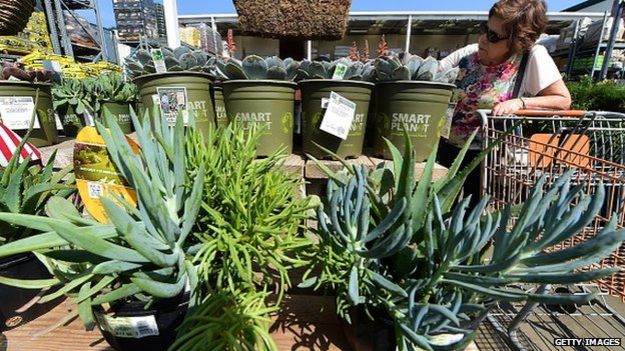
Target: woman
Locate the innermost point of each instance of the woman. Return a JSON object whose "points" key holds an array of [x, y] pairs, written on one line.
{"points": [[505, 71]]}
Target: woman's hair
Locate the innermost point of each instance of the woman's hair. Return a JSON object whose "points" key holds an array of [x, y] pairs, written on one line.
{"points": [[524, 21]]}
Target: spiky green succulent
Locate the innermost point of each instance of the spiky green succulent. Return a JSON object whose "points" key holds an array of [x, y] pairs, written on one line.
{"points": [[325, 70], [110, 87], [72, 92], [141, 251], [388, 241], [389, 68], [25, 188], [176, 60], [254, 68]]}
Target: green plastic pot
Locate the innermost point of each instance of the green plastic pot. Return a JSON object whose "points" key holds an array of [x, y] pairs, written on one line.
{"points": [[197, 87], [71, 121], [266, 104], [121, 114], [313, 91], [418, 106], [46, 134], [220, 108]]}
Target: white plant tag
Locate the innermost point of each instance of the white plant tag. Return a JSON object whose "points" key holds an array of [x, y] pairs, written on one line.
{"points": [[132, 327], [89, 120], [324, 103], [57, 119], [446, 129], [159, 61], [17, 111], [339, 116], [339, 71], [173, 100]]}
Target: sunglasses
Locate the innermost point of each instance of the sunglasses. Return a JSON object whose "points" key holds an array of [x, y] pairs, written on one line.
{"points": [[490, 35]]}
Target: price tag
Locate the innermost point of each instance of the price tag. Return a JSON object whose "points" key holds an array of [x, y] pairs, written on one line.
{"points": [[339, 71], [159, 61], [339, 116], [131, 327], [17, 111]]}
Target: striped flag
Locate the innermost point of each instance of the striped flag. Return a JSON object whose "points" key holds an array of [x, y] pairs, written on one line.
{"points": [[8, 145]]}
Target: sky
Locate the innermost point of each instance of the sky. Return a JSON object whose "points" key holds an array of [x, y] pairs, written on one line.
{"points": [[188, 7]]}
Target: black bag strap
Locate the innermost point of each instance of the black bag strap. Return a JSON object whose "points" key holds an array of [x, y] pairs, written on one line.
{"points": [[519, 76]]}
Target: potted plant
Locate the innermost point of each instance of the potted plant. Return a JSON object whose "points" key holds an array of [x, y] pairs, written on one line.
{"points": [[25, 187], [260, 92], [19, 90], [317, 80], [73, 104], [248, 239], [183, 88], [137, 262], [111, 94], [412, 96], [388, 243]]}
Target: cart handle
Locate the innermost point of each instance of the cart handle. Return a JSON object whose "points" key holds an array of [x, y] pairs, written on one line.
{"points": [[542, 113]]}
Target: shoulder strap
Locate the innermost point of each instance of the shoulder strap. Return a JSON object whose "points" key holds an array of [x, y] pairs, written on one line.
{"points": [[520, 74]]}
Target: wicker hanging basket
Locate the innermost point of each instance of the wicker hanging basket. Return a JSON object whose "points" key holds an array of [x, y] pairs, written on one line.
{"points": [[294, 19], [14, 15]]}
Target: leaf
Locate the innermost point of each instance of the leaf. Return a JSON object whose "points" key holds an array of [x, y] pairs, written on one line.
{"points": [[29, 283], [353, 288], [160, 289], [233, 71], [276, 73], [254, 67], [123, 291]]}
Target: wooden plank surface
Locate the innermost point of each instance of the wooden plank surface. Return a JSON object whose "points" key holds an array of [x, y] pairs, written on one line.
{"points": [[314, 172], [438, 173]]}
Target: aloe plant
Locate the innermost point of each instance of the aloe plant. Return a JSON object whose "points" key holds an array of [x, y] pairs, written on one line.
{"points": [[141, 252], [254, 67], [25, 188], [176, 60], [389, 68], [325, 70], [387, 241]]}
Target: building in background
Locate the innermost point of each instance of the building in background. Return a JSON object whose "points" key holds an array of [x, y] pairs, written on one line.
{"points": [[160, 22], [136, 19]]}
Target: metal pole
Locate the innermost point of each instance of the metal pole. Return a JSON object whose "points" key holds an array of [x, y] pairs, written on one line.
{"points": [[98, 21], [408, 33], [594, 61], [612, 40], [573, 51], [60, 20], [309, 50], [54, 35], [171, 23]]}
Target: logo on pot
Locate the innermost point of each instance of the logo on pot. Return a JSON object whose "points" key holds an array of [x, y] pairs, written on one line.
{"points": [[287, 122], [70, 119], [357, 123], [220, 110], [417, 124], [123, 117], [13, 321], [259, 119], [199, 109]]}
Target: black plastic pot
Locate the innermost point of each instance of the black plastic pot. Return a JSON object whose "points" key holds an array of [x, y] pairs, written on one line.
{"points": [[19, 305], [168, 315], [365, 334]]}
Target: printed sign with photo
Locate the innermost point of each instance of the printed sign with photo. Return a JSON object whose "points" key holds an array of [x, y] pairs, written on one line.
{"points": [[172, 102]]}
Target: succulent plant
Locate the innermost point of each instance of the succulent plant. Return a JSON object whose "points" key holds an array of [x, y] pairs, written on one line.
{"points": [[141, 251], [325, 70], [254, 67], [388, 243], [179, 59], [388, 68], [25, 188], [72, 92], [110, 87], [17, 71]]}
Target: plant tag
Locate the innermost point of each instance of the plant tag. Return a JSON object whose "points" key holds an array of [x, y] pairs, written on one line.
{"points": [[172, 102], [16, 112], [446, 128], [57, 120], [159, 61], [89, 121], [132, 327], [339, 71], [339, 116]]}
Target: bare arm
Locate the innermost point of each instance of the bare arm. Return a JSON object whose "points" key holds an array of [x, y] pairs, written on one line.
{"points": [[554, 97]]}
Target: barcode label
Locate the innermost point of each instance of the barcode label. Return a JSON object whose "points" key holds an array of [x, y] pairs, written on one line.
{"points": [[130, 327], [96, 190]]}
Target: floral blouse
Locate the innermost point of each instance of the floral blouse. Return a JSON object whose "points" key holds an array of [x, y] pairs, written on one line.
{"points": [[479, 87]]}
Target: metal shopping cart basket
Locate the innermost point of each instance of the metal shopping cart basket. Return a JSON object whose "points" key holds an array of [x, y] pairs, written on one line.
{"points": [[549, 144]]}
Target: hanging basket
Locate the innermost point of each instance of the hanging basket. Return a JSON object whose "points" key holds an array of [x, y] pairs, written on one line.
{"points": [[294, 19], [14, 15]]}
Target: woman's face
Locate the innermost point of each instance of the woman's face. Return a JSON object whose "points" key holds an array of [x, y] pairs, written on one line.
{"points": [[494, 53]]}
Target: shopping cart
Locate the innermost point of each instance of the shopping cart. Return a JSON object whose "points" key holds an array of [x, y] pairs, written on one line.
{"points": [[592, 145]]}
